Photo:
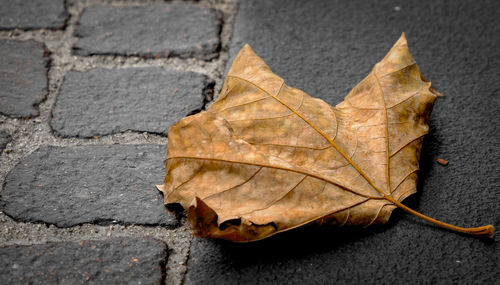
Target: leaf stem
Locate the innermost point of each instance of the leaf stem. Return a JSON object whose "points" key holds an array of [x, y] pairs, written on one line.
{"points": [[487, 230]]}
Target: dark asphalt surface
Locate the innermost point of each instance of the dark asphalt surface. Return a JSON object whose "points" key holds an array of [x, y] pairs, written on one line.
{"points": [[325, 48]]}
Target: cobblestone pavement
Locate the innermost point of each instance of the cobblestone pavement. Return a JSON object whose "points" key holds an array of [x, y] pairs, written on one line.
{"points": [[89, 89]]}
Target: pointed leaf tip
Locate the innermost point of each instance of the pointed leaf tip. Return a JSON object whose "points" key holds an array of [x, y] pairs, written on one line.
{"points": [[247, 64], [398, 57], [160, 187], [246, 50], [245, 54], [246, 46], [402, 37]]}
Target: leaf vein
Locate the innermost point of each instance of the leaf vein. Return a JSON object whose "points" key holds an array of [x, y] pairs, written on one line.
{"points": [[277, 200], [282, 168], [321, 133], [236, 186]]}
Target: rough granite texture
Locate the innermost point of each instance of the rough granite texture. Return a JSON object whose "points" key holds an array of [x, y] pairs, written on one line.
{"points": [[68, 186], [174, 29], [23, 77], [106, 101], [5, 138], [326, 48], [113, 261], [32, 14]]}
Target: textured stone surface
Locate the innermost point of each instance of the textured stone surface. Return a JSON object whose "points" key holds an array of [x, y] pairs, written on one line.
{"points": [[67, 186], [107, 101], [154, 31], [325, 48], [23, 68], [32, 14], [115, 261], [5, 138]]}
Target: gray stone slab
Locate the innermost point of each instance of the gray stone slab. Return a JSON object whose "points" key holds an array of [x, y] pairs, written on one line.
{"points": [[114, 261], [68, 186], [325, 48], [33, 14], [5, 138], [175, 29], [106, 101], [23, 69]]}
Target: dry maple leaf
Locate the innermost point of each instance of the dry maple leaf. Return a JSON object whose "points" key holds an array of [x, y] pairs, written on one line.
{"points": [[266, 158]]}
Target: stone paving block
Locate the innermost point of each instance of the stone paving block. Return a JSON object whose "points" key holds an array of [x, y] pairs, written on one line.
{"points": [[175, 29], [5, 138], [325, 48], [23, 69], [114, 261], [106, 101], [32, 14], [68, 186]]}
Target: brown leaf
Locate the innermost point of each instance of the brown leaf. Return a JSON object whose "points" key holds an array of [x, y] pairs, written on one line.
{"points": [[266, 158]]}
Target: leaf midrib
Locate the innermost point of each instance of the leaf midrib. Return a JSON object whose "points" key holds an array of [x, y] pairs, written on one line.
{"points": [[387, 154]]}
